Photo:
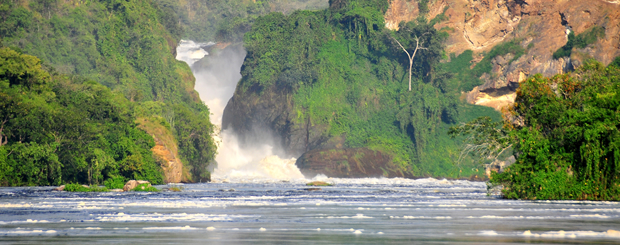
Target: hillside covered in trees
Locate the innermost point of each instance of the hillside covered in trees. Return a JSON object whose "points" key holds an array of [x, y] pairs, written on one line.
{"points": [[337, 79], [126, 46]]}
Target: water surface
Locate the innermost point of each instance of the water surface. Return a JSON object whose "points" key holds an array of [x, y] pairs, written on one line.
{"points": [[353, 211]]}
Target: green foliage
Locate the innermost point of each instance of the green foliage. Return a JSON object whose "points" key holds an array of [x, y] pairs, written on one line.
{"points": [[566, 138], [347, 74], [84, 133], [115, 182], [80, 188], [582, 40], [511, 47], [464, 78], [126, 46], [224, 21], [423, 6], [485, 138], [145, 188], [616, 62]]}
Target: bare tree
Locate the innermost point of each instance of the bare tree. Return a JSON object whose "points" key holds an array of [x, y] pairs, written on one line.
{"points": [[483, 137], [418, 45]]}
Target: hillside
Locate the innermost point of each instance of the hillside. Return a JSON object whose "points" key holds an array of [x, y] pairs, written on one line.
{"points": [[128, 47], [539, 26], [332, 86]]}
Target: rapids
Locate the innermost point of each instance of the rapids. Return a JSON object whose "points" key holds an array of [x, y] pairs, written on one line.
{"points": [[352, 211]]}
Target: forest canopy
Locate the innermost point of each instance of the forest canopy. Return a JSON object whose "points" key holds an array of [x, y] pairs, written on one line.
{"points": [[566, 132], [58, 128]]}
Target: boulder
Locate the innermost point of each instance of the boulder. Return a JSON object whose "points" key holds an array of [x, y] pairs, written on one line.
{"points": [[130, 185], [349, 163], [60, 188]]}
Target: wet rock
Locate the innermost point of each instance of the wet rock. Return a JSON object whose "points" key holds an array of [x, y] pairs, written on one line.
{"points": [[130, 185], [313, 189], [60, 188], [318, 183], [348, 163]]}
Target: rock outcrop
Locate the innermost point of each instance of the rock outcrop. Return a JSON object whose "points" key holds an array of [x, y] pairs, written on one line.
{"points": [[348, 163], [541, 26], [130, 185], [271, 115], [165, 150]]}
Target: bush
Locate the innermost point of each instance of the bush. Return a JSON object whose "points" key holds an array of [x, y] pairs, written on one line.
{"points": [[80, 188], [145, 188], [115, 182], [582, 40]]}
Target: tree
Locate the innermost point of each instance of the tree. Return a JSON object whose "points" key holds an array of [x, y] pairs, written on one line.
{"points": [[411, 56], [484, 138]]}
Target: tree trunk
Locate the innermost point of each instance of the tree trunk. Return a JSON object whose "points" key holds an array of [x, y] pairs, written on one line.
{"points": [[411, 57]]}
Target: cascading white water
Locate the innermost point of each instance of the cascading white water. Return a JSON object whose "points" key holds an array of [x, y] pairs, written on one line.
{"points": [[216, 85]]}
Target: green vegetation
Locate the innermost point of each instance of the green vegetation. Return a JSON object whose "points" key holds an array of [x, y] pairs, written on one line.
{"points": [[348, 73], [564, 132], [126, 46], [582, 40], [57, 128], [224, 21], [465, 78], [145, 188], [616, 62], [81, 188], [115, 182]]}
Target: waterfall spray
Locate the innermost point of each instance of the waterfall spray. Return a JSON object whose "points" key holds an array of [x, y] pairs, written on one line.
{"points": [[216, 79]]}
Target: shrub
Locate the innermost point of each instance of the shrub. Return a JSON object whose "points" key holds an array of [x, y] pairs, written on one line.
{"points": [[145, 188]]}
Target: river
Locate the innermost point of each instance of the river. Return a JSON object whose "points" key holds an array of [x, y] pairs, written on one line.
{"points": [[352, 211], [257, 197]]}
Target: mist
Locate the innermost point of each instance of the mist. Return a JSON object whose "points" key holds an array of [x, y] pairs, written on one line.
{"points": [[257, 156]]}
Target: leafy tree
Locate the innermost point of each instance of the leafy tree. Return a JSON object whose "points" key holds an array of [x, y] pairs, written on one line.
{"points": [[484, 138], [61, 129], [566, 132]]}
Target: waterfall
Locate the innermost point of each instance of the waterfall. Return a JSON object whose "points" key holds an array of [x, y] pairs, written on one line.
{"points": [[216, 80]]}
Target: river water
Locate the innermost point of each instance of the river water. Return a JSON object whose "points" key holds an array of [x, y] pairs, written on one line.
{"points": [[352, 211], [257, 197]]}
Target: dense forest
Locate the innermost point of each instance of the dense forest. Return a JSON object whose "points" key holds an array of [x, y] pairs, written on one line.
{"points": [[348, 74], [58, 128], [126, 46]]}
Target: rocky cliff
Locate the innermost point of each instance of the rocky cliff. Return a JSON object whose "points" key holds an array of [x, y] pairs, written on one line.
{"points": [[541, 26]]}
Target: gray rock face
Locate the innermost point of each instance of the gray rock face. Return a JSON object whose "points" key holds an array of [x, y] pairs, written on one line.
{"points": [[269, 115], [130, 185]]}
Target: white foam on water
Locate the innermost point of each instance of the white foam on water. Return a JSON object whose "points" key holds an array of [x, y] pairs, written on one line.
{"points": [[20, 231], [357, 216], [152, 217], [187, 227], [574, 234], [420, 217], [488, 233], [210, 228], [590, 216], [15, 205]]}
